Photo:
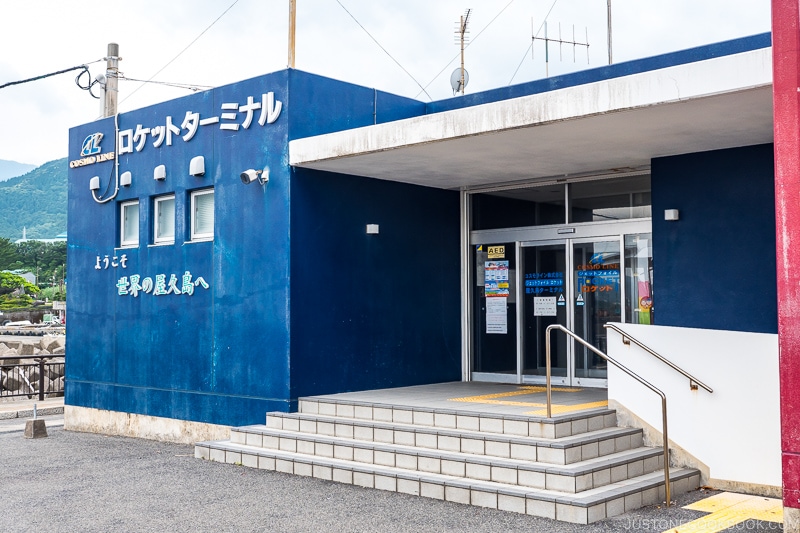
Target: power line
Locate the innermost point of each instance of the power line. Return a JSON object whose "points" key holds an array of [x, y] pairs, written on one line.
{"points": [[191, 87], [181, 52], [466, 46], [384, 49], [83, 68], [531, 45]]}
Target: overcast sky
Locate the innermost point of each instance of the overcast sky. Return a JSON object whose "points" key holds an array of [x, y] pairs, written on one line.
{"points": [[42, 36]]}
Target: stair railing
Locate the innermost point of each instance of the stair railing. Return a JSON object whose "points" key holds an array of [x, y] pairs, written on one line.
{"points": [[627, 339], [625, 369]]}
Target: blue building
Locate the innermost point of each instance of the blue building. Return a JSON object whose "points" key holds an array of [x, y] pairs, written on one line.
{"points": [[293, 235]]}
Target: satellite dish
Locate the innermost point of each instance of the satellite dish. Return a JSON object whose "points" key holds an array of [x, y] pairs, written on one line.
{"points": [[455, 80]]}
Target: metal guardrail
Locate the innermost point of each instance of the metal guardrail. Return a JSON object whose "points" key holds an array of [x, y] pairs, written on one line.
{"points": [[627, 339], [625, 369], [39, 377]]}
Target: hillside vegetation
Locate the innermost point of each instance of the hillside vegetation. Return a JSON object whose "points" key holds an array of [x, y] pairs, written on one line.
{"points": [[37, 201]]}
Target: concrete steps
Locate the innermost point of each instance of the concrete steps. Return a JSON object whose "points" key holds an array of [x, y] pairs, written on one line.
{"points": [[578, 468]]}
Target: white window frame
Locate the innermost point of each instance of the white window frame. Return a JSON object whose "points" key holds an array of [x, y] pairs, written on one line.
{"points": [[195, 235], [156, 211], [123, 243]]}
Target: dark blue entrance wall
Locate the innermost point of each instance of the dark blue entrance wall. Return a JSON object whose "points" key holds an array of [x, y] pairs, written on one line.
{"points": [[715, 267], [372, 311]]}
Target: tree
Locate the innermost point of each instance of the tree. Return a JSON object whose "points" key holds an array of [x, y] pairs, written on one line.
{"points": [[15, 291], [8, 254]]}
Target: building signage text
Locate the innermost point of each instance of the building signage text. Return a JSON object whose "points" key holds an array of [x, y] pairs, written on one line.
{"points": [[159, 285], [232, 117]]}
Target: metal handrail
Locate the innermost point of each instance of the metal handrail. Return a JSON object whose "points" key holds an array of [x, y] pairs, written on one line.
{"points": [[693, 381], [625, 369]]}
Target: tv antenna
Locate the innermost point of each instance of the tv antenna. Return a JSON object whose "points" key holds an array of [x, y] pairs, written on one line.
{"points": [[575, 44], [459, 78]]}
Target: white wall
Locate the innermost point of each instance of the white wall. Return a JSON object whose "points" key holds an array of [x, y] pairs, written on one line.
{"points": [[735, 430]]}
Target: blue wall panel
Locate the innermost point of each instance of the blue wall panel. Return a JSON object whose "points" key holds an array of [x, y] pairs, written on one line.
{"points": [[715, 267], [223, 354], [373, 311]]}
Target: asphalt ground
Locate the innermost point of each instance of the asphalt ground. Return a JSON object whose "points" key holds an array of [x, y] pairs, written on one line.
{"points": [[81, 482]]}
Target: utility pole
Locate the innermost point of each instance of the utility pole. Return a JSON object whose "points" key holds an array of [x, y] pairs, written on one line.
{"points": [[609, 32], [112, 81], [292, 18]]}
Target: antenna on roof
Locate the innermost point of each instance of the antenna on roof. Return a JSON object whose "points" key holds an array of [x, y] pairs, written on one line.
{"points": [[459, 78], [560, 42]]}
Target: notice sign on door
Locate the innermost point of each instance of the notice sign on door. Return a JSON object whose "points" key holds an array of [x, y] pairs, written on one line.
{"points": [[545, 306], [496, 315]]}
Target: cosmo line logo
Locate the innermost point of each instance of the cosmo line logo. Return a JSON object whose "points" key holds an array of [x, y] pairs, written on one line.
{"points": [[91, 152], [91, 144]]}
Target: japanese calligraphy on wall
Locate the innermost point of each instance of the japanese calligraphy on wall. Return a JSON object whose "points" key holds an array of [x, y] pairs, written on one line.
{"points": [[159, 285]]}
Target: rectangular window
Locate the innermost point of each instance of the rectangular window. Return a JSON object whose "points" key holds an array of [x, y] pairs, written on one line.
{"points": [[129, 224], [202, 223], [164, 220]]}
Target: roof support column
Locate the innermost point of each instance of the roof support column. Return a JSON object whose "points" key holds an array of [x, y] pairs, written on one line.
{"points": [[786, 109]]}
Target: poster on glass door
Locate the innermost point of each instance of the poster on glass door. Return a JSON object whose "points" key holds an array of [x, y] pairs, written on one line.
{"points": [[495, 275], [496, 289]]}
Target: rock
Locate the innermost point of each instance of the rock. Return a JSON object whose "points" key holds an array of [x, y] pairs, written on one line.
{"points": [[12, 382], [51, 342], [58, 351], [26, 349], [52, 371]]}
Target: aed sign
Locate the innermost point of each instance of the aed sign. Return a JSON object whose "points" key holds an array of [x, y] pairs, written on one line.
{"points": [[497, 252]]}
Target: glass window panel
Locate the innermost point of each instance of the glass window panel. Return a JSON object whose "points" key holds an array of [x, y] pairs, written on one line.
{"points": [[129, 224], [639, 278], [203, 215], [610, 199], [165, 219]]}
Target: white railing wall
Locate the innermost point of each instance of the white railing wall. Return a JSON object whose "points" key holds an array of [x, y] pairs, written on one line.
{"points": [[734, 431]]}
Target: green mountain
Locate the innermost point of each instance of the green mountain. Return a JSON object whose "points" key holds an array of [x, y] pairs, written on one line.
{"points": [[37, 201], [12, 169]]}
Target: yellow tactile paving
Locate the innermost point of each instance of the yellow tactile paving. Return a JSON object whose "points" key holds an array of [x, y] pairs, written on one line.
{"points": [[492, 399], [728, 509]]}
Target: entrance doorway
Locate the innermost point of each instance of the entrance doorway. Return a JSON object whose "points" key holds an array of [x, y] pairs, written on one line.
{"points": [[581, 277]]}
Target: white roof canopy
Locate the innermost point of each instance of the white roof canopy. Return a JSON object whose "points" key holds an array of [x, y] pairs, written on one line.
{"points": [[602, 127]]}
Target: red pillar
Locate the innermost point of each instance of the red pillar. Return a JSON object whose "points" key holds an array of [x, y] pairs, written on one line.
{"points": [[786, 110]]}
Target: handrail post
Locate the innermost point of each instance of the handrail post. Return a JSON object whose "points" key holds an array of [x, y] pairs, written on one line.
{"points": [[41, 379], [666, 448], [629, 372], [547, 335]]}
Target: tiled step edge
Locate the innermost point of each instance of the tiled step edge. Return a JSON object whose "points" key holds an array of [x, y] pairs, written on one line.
{"points": [[572, 478], [565, 450], [524, 426], [585, 508]]}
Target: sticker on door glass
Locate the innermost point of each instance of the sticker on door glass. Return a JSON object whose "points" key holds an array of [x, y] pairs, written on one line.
{"points": [[496, 315], [544, 306], [495, 283]]}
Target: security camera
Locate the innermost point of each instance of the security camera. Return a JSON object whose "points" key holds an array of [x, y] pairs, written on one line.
{"points": [[249, 176]]}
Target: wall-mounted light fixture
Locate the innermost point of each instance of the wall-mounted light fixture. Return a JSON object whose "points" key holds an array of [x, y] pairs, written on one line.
{"points": [[94, 183], [250, 175], [160, 173], [197, 166], [125, 179], [671, 214], [373, 229]]}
